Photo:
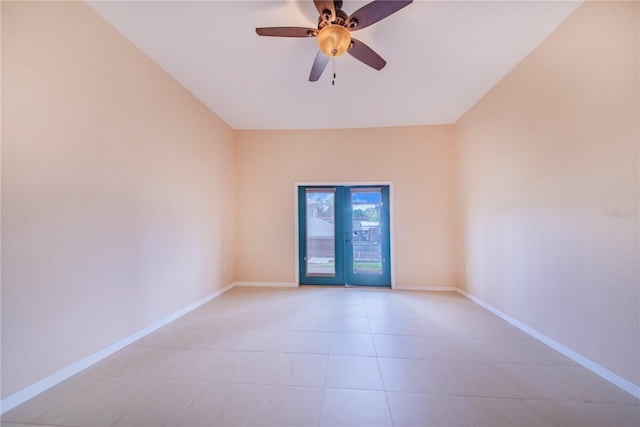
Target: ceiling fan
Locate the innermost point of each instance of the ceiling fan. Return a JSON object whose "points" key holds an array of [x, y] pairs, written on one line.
{"points": [[334, 32]]}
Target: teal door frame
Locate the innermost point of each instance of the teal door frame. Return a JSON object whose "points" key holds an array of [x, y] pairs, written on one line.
{"points": [[345, 271]]}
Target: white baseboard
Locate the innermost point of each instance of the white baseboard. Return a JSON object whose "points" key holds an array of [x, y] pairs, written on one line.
{"points": [[603, 372], [268, 284], [33, 390], [425, 288]]}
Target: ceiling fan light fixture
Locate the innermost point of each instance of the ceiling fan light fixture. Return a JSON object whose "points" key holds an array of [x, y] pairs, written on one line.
{"points": [[334, 40]]}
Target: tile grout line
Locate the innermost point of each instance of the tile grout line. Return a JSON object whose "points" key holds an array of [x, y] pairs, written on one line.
{"points": [[324, 380], [384, 387]]}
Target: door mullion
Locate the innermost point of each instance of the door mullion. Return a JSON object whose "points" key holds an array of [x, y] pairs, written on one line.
{"points": [[347, 235]]}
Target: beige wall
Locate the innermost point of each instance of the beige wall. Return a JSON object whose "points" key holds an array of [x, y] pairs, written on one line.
{"points": [[549, 189], [117, 191], [418, 160]]}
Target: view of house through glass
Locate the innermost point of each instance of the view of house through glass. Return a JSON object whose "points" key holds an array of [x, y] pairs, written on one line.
{"points": [[320, 259]]}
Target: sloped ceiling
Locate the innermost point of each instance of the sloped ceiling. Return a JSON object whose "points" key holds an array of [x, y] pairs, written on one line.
{"points": [[442, 57]]}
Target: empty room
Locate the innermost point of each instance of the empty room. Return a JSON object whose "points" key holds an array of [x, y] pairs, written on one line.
{"points": [[320, 213]]}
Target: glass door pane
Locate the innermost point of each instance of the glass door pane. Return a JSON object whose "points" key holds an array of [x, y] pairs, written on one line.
{"points": [[366, 205], [320, 232], [367, 245]]}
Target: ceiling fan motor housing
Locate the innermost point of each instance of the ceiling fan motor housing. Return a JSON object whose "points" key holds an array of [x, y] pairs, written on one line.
{"points": [[341, 19]]}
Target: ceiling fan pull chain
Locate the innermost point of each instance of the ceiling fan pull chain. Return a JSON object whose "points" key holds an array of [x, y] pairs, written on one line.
{"points": [[333, 68]]}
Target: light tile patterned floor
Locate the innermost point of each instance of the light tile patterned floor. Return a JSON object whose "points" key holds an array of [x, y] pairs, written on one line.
{"points": [[326, 356]]}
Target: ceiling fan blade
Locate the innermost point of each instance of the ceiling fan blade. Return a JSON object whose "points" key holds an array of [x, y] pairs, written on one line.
{"points": [[287, 32], [374, 12], [322, 6], [364, 53], [319, 64]]}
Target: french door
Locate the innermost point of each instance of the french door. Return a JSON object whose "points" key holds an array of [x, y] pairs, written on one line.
{"points": [[344, 235]]}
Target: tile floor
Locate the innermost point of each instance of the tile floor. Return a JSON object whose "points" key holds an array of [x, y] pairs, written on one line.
{"points": [[316, 356]]}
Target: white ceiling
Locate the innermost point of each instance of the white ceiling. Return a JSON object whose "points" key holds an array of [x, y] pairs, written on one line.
{"points": [[442, 57]]}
